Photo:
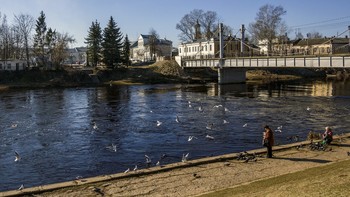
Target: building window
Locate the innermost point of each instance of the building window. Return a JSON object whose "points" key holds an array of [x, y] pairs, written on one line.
{"points": [[322, 50], [205, 48], [328, 50], [9, 66], [180, 50], [0, 66], [210, 48]]}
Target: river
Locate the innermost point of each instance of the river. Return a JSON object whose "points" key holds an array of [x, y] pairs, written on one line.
{"points": [[66, 133]]}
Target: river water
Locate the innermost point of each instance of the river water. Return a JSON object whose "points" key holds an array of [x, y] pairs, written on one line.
{"points": [[53, 129]]}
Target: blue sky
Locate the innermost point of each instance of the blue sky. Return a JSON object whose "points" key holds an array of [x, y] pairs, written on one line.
{"points": [[136, 17]]}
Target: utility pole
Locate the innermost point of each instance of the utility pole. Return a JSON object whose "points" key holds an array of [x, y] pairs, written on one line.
{"points": [[349, 38], [221, 43], [242, 40]]}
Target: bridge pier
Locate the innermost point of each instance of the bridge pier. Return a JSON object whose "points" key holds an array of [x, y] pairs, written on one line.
{"points": [[231, 75]]}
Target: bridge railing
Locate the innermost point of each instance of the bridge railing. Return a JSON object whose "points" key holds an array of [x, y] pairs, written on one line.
{"points": [[307, 62]]}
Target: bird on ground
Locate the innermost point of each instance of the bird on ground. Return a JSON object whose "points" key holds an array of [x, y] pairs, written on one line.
{"points": [[159, 123], [17, 157], [245, 125], [209, 137], [135, 168], [158, 163], [127, 170], [185, 157]]}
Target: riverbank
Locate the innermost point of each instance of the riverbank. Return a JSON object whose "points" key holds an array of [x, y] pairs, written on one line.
{"points": [[157, 73], [295, 170]]}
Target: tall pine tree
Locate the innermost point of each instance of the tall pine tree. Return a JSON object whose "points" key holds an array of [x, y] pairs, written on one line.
{"points": [[93, 42], [40, 39], [126, 51], [112, 45]]}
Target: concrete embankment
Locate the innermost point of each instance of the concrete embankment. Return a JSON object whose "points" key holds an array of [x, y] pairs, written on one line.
{"points": [[196, 177]]}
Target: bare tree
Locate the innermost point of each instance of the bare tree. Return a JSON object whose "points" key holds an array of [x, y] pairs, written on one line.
{"points": [[24, 24], [60, 43], [314, 34], [153, 41], [207, 20], [268, 22]]}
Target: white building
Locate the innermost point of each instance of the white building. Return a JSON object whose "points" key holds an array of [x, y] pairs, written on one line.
{"points": [[12, 65], [141, 49]]}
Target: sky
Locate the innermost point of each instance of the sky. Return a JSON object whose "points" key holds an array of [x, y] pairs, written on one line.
{"points": [[135, 17]]}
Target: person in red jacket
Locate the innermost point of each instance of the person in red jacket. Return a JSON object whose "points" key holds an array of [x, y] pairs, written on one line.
{"points": [[327, 135], [268, 140]]}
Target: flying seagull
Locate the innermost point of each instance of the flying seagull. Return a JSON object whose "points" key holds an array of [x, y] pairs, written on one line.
{"points": [[245, 125], [17, 156], [190, 138], [177, 119], [185, 157], [209, 137], [158, 123]]}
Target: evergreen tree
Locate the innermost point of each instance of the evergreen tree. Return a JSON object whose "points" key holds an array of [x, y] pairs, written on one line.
{"points": [[93, 42], [39, 39], [112, 44], [126, 51]]}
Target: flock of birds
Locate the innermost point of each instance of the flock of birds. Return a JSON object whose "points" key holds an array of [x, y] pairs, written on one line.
{"points": [[185, 157]]}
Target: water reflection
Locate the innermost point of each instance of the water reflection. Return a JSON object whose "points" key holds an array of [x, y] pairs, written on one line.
{"points": [[57, 141]]}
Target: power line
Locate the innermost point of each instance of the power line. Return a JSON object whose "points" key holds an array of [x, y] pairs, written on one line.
{"points": [[314, 23]]}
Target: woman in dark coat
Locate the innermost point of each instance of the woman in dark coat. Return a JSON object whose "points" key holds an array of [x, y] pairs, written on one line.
{"points": [[268, 140]]}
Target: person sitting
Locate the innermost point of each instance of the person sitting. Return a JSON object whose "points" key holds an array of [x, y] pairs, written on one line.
{"points": [[327, 135]]}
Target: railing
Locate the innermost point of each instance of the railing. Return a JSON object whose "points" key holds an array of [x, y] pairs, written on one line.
{"points": [[307, 62]]}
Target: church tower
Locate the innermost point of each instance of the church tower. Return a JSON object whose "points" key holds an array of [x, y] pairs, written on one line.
{"points": [[197, 31]]}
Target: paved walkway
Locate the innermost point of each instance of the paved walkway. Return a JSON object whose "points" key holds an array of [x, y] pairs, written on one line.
{"points": [[200, 176]]}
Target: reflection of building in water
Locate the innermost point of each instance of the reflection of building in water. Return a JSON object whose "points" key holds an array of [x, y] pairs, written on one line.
{"points": [[322, 89]]}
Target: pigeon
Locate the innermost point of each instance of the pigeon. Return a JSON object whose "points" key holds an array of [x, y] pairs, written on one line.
{"points": [[17, 157]]}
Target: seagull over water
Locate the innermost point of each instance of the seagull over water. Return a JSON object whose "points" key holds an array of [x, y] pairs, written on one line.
{"points": [[217, 106], [17, 156], [190, 138], [209, 137], [94, 125], [308, 108], [112, 147], [177, 119], [245, 125], [225, 122], [209, 126], [279, 129], [158, 123]]}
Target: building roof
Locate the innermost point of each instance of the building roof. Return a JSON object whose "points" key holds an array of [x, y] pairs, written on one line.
{"points": [[317, 41]]}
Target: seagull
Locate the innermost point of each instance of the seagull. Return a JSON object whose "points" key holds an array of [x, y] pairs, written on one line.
{"points": [[148, 159], [177, 119], [217, 106], [127, 170], [13, 125], [189, 104], [210, 126], [184, 157], [190, 138], [225, 122], [112, 147], [158, 123], [200, 108], [151, 111], [226, 109], [135, 168], [17, 156], [245, 125], [308, 108], [279, 129], [22, 187], [209, 137], [94, 125], [158, 163]]}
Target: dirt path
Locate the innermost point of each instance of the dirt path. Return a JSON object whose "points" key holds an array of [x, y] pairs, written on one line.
{"points": [[202, 176]]}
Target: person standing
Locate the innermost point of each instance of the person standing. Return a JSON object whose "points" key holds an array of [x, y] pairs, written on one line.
{"points": [[268, 140], [327, 136]]}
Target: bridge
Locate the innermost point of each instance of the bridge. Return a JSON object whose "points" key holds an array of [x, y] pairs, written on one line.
{"points": [[233, 70]]}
